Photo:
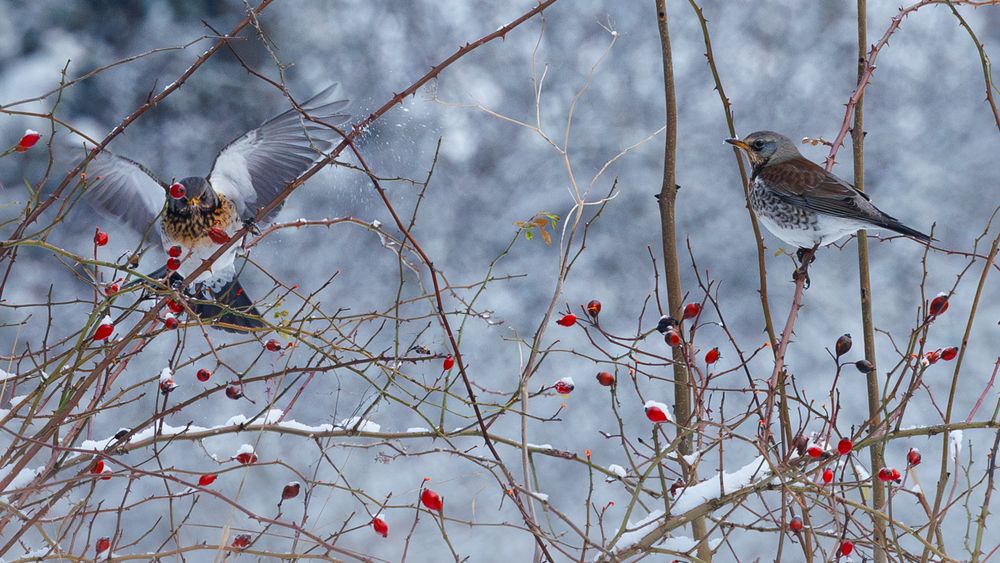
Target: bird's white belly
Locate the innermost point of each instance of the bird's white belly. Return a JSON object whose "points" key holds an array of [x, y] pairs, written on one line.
{"points": [[824, 230]]}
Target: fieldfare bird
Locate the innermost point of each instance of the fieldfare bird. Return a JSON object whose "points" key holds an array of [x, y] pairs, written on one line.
{"points": [[192, 216], [803, 204]]}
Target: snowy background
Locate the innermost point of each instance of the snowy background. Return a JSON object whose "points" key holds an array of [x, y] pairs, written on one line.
{"points": [[789, 66]]}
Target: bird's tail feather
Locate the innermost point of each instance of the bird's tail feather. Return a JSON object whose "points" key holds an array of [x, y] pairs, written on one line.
{"points": [[894, 225], [232, 310]]}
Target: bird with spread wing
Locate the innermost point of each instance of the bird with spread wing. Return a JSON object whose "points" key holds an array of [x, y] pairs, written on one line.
{"points": [[193, 216]]}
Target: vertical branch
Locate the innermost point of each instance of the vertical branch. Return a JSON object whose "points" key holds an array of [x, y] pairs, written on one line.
{"points": [[730, 122], [668, 200], [864, 279]]}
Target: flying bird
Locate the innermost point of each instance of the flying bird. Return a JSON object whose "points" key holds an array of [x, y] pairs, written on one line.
{"points": [[193, 216], [803, 204]]}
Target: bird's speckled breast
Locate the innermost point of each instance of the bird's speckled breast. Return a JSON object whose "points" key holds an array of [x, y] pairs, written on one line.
{"points": [[191, 230], [767, 205]]}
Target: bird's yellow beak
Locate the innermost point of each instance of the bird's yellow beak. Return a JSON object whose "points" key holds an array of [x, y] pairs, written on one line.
{"points": [[193, 202], [738, 144]]}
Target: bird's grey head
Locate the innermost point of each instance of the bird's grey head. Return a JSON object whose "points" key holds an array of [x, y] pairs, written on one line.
{"points": [[766, 147], [197, 193]]}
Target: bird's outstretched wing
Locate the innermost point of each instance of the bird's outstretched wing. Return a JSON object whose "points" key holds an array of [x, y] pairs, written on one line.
{"points": [[805, 184], [257, 166], [124, 189]]}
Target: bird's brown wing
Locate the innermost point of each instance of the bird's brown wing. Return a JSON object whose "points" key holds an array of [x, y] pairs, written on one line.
{"points": [[805, 184]]}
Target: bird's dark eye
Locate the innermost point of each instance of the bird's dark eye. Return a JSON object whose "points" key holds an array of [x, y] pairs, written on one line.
{"points": [[757, 145]]}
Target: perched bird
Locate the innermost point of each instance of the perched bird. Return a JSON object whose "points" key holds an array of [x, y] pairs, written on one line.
{"points": [[193, 216], [803, 204]]}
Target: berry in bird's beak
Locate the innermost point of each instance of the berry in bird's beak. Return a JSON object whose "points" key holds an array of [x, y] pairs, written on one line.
{"points": [[218, 235], [177, 190]]}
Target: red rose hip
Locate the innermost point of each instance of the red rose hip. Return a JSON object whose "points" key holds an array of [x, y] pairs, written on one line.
{"points": [[594, 308], [567, 320], [432, 500], [692, 310], [712, 356], [605, 379]]}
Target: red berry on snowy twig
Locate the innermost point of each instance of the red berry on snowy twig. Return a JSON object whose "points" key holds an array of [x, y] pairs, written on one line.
{"points": [[104, 329], [245, 455], [657, 412], [28, 140], [564, 386], [380, 526], [939, 304]]}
